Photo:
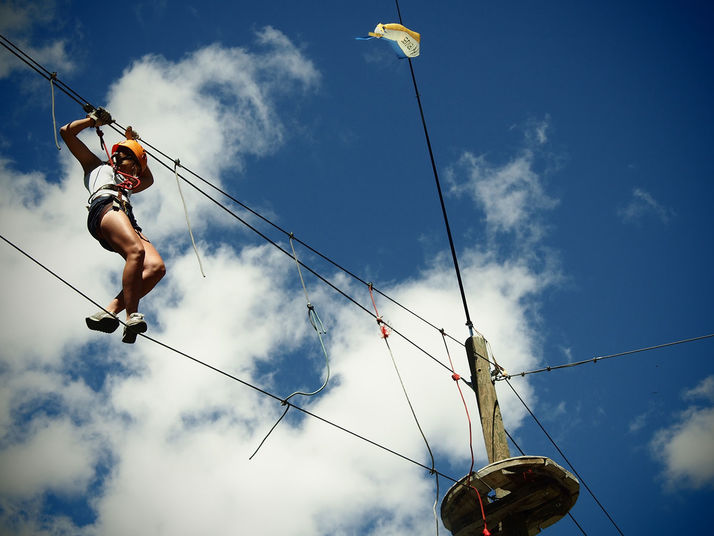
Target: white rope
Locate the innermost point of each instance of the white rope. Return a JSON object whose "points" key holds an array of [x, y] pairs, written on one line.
{"points": [[177, 163], [54, 120]]}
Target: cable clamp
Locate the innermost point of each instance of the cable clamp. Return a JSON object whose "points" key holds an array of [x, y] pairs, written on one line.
{"points": [[383, 327]]}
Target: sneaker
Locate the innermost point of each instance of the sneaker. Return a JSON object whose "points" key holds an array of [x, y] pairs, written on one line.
{"points": [[102, 321], [134, 325]]}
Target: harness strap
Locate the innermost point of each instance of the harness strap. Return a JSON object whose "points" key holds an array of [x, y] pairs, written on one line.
{"points": [[114, 187], [130, 182]]}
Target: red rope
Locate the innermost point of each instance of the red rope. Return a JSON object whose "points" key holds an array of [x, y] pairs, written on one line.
{"points": [[130, 182], [382, 326], [456, 378]]}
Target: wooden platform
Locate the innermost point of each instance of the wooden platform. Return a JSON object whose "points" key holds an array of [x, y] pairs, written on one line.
{"points": [[533, 492]]}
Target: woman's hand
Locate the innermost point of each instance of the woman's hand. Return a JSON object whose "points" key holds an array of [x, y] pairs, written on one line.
{"points": [[84, 156]]}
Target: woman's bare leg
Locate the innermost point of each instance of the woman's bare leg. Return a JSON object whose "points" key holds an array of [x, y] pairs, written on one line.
{"points": [[153, 270], [116, 229]]}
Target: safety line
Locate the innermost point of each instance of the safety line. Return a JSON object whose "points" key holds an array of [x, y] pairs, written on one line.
{"points": [[177, 163], [384, 329], [308, 268], [235, 378], [54, 120], [75, 96], [552, 441], [316, 323], [37, 67], [115, 126], [610, 356], [456, 378]]}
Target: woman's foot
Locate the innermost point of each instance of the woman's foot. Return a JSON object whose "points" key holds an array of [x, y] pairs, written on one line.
{"points": [[102, 321], [135, 324]]}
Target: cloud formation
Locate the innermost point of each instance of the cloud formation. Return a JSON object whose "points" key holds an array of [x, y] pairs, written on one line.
{"points": [[140, 429], [685, 447], [643, 204], [21, 21], [511, 195]]}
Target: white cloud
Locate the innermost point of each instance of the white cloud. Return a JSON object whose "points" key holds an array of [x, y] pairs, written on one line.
{"points": [[511, 195], [685, 448], [18, 20], [173, 437], [705, 390], [32, 466], [641, 204]]}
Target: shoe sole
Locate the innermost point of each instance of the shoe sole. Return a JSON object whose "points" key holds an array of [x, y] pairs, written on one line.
{"points": [[131, 332], [106, 324]]}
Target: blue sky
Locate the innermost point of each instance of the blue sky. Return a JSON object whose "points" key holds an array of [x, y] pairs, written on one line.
{"points": [[573, 143]]}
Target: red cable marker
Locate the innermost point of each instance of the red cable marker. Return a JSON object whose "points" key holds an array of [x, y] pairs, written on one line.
{"points": [[382, 326]]}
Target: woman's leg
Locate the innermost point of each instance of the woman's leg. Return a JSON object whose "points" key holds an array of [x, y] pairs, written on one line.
{"points": [[153, 270], [116, 229]]}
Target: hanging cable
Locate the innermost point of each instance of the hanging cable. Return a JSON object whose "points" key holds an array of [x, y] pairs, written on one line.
{"points": [[87, 106], [54, 120], [85, 103], [75, 96], [230, 376], [316, 323], [177, 163], [384, 329], [456, 378]]}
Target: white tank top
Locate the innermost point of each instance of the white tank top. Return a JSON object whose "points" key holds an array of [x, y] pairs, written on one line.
{"points": [[101, 176]]}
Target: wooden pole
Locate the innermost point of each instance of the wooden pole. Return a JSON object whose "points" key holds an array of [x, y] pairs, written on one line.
{"points": [[531, 492], [494, 434]]}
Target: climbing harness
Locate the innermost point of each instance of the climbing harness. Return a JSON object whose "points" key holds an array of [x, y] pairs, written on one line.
{"points": [[317, 324], [177, 164]]}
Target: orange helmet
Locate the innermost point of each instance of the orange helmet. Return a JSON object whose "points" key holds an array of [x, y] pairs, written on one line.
{"points": [[136, 149]]}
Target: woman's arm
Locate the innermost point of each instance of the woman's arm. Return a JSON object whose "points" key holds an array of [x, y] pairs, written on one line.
{"points": [[86, 158]]}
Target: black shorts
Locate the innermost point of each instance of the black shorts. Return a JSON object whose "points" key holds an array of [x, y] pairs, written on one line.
{"points": [[99, 207]]}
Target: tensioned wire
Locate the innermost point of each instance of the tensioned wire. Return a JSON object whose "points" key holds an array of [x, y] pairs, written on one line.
{"points": [[317, 324], [37, 67], [233, 377], [75, 96], [603, 357]]}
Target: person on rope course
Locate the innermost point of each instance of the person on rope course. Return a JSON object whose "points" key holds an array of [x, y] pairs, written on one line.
{"points": [[111, 220]]}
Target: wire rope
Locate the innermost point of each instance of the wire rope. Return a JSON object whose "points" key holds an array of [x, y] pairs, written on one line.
{"points": [[552, 441], [384, 329], [610, 356], [177, 163], [85, 103], [317, 324], [119, 129], [233, 377], [469, 324]]}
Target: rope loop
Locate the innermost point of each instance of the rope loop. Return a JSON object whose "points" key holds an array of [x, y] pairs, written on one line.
{"points": [[53, 77], [316, 321], [177, 164]]}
